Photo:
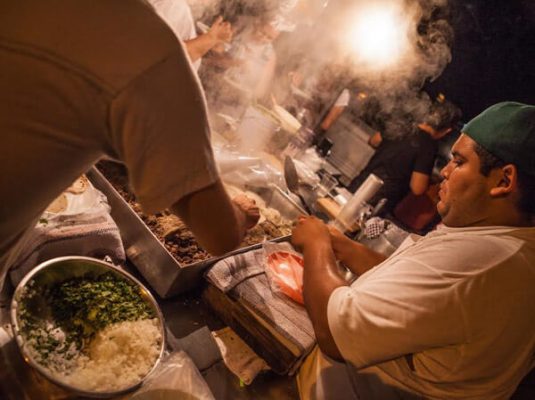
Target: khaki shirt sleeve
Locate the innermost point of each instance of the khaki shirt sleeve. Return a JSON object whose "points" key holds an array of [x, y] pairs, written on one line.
{"points": [[160, 130]]}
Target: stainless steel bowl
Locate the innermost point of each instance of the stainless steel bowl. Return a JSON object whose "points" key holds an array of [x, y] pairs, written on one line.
{"points": [[58, 270]]}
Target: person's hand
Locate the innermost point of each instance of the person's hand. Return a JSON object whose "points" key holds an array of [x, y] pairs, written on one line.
{"points": [[309, 231], [375, 140], [342, 245], [249, 208], [221, 31], [354, 255]]}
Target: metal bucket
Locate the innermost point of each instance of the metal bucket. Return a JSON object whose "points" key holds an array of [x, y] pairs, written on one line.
{"points": [[58, 270]]}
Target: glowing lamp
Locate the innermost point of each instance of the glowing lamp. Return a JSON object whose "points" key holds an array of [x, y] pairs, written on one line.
{"points": [[378, 35]]}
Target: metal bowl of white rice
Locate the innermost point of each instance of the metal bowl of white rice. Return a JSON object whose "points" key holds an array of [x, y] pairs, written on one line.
{"points": [[87, 326]]}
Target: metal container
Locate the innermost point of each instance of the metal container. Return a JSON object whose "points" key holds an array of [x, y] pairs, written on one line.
{"points": [[148, 254], [58, 270]]}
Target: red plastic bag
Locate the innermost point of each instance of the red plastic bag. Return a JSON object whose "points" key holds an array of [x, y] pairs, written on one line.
{"points": [[284, 269]]}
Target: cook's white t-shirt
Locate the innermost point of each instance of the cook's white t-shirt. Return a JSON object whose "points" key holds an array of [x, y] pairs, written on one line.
{"points": [[448, 316]]}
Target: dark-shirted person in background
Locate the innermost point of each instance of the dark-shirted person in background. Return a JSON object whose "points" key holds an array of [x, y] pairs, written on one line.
{"points": [[87, 78], [404, 160]]}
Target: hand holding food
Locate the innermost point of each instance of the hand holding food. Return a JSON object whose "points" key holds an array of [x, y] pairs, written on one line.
{"points": [[249, 209], [309, 231], [341, 244]]}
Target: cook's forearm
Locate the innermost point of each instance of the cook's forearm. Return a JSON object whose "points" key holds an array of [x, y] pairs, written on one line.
{"points": [[199, 46], [359, 258], [201, 209], [321, 277]]}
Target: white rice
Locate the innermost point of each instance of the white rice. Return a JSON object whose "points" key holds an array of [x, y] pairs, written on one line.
{"points": [[119, 356]]}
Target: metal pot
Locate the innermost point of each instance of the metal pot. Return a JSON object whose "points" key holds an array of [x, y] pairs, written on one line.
{"points": [[58, 270]]}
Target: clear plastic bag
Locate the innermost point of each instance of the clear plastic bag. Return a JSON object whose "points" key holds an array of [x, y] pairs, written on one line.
{"points": [[284, 270], [306, 174], [176, 378]]}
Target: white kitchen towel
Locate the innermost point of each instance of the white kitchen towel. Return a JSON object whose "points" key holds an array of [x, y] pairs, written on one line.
{"points": [[243, 277], [83, 228]]}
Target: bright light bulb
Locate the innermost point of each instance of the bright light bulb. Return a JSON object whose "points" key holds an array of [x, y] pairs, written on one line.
{"points": [[378, 36]]}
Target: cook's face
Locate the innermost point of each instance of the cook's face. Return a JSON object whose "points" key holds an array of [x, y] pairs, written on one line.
{"points": [[464, 193]]}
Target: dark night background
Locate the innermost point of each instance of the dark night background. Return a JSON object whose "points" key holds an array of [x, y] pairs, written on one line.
{"points": [[493, 54]]}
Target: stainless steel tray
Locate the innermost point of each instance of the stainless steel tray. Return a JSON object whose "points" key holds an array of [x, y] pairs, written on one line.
{"points": [[148, 254]]}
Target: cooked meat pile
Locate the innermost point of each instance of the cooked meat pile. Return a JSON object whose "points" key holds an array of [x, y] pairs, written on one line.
{"points": [[173, 233]]}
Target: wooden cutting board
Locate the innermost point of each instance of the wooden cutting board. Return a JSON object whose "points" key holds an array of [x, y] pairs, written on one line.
{"points": [[328, 206]]}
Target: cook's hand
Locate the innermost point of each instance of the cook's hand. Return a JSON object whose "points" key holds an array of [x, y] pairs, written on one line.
{"points": [[249, 208], [221, 31], [309, 231], [342, 245]]}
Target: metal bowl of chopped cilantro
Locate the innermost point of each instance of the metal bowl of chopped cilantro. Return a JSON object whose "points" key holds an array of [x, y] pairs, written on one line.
{"points": [[89, 327]]}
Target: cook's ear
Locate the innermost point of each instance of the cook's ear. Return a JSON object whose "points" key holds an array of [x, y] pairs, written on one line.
{"points": [[507, 177]]}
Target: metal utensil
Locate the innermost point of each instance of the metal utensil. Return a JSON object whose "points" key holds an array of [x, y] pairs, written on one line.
{"points": [[292, 182], [378, 207]]}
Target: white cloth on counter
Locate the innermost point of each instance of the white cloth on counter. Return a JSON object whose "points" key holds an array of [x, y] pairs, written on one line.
{"points": [[243, 276], [231, 271], [83, 228]]}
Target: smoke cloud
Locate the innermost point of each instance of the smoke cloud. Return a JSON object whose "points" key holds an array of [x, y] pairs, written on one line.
{"points": [[314, 62], [397, 88]]}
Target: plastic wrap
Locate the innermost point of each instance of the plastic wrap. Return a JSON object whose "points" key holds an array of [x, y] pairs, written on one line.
{"points": [[242, 169], [176, 378], [77, 222], [284, 270], [306, 174], [312, 159]]}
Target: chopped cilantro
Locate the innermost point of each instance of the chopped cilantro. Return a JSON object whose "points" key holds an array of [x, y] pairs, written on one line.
{"points": [[81, 307]]}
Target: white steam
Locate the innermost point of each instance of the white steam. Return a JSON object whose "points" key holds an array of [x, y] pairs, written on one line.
{"points": [[386, 48]]}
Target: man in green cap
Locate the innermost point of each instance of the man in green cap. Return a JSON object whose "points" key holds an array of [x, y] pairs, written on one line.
{"points": [[449, 315]]}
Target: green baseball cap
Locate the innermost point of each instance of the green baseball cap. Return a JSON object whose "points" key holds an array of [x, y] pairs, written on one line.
{"points": [[507, 130]]}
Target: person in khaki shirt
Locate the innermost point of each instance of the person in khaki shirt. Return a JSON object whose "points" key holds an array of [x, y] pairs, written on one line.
{"points": [[449, 315], [91, 78]]}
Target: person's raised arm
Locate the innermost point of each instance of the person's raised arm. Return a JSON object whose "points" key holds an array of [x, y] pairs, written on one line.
{"points": [[419, 183], [217, 222], [219, 32], [375, 140], [336, 110]]}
